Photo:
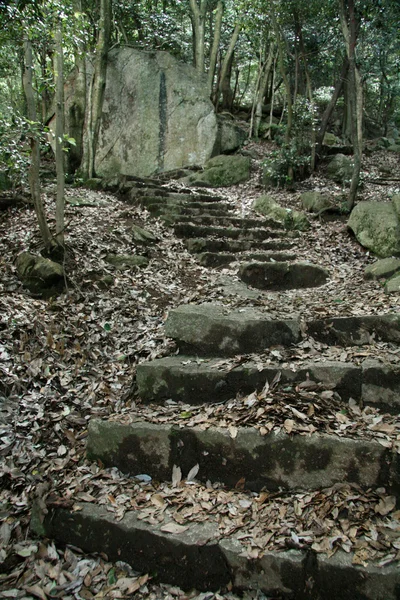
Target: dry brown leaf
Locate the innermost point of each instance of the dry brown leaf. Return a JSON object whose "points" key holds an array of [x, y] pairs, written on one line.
{"points": [[174, 528]]}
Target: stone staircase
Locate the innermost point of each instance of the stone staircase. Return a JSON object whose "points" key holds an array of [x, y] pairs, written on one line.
{"points": [[236, 456]]}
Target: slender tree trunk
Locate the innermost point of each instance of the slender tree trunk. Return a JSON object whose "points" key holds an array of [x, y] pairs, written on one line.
{"points": [[260, 92], [285, 77], [59, 101], [34, 181], [355, 91], [331, 106], [198, 18], [310, 96], [97, 86], [215, 45], [227, 62]]}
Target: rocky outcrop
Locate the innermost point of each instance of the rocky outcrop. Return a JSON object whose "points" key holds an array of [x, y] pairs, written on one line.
{"points": [[41, 276], [222, 171], [376, 226], [157, 115], [340, 169], [290, 219]]}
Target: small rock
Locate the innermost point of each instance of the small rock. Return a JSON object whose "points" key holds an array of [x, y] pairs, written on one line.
{"points": [[393, 285], [340, 169], [125, 261], [314, 202], [382, 269], [40, 275], [291, 219], [142, 236]]}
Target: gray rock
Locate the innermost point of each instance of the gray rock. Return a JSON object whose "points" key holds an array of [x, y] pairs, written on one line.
{"points": [[231, 136], [40, 275], [315, 202], [291, 219], [340, 169], [381, 385], [157, 115], [376, 227], [396, 204], [271, 461], [330, 139], [282, 275], [212, 329], [142, 236], [393, 285], [382, 269], [124, 261], [222, 171], [186, 379]]}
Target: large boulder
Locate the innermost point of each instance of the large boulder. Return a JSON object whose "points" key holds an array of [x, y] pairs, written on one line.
{"points": [[157, 115], [231, 135], [315, 202], [376, 226], [39, 275], [340, 169], [290, 219], [222, 171]]}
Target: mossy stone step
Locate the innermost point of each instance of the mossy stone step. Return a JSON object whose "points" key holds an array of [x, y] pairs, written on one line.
{"points": [[137, 194], [282, 275], [214, 330], [211, 329], [218, 259], [197, 557], [197, 381], [191, 209], [174, 204], [198, 245], [187, 230], [273, 461], [227, 221]]}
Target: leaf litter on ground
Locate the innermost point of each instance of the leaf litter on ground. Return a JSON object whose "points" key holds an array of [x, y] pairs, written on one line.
{"points": [[65, 360]]}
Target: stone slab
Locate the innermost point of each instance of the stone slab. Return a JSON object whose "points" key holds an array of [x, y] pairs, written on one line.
{"points": [[197, 245], [186, 379], [356, 331], [227, 221], [381, 385], [273, 461], [218, 259], [187, 230], [210, 329], [196, 559], [282, 275]]}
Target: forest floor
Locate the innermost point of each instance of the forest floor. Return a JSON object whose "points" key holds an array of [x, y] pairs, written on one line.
{"points": [[65, 360]]}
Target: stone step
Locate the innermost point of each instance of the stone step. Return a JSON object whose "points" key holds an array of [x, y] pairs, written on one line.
{"points": [[211, 329], [211, 555], [187, 230], [197, 381], [227, 221], [275, 461], [282, 275], [157, 193], [175, 210], [174, 204], [198, 245], [218, 259], [215, 330]]}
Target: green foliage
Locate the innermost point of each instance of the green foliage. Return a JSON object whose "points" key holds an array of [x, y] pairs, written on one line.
{"points": [[290, 162], [15, 148]]}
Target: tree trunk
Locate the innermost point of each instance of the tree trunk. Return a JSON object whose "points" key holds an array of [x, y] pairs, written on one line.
{"points": [[260, 92], [59, 101], [355, 92], [285, 77], [198, 18], [331, 106], [309, 94], [215, 45], [97, 86], [227, 63], [34, 181]]}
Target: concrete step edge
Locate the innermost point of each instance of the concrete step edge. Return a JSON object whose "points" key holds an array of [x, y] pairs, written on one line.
{"points": [[194, 558]]}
